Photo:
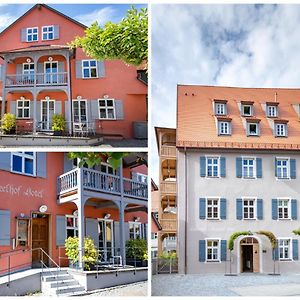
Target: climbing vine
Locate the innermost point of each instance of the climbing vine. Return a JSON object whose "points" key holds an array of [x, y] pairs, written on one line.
{"points": [[234, 236], [270, 236], [296, 231]]}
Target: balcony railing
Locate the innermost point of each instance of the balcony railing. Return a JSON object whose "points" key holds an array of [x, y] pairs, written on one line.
{"points": [[168, 151], [168, 225], [40, 79], [168, 187], [101, 182]]}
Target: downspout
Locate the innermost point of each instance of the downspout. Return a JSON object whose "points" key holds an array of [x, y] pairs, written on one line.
{"points": [[186, 212]]}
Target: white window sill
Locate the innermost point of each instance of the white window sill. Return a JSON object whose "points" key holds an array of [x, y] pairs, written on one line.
{"points": [[21, 173]]}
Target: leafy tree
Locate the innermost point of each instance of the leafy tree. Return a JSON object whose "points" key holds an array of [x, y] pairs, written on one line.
{"points": [[126, 40]]}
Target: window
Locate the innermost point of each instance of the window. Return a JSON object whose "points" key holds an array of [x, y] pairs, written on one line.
{"points": [[284, 246], [213, 209], [135, 230], [249, 208], [220, 109], [107, 109], [28, 69], [71, 225], [224, 127], [32, 34], [89, 69], [23, 163], [271, 111], [212, 250], [79, 110], [48, 32], [247, 110], [139, 177], [23, 108], [212, 166], [253, 128], [280, 129], [248, 168], [282, 166], [106, 168], [283, 209]]}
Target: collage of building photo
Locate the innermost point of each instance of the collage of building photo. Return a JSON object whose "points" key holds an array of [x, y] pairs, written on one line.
{"points": [[149, 157]]}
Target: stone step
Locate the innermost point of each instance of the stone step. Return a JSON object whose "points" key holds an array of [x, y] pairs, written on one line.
{"points": [[60, 272], [58, 277], [69, 290], [62, 283]]}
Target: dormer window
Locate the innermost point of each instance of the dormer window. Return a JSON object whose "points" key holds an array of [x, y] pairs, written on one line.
{"points": [[253, 127], [247, 108], [224, 126], [280, 128], [272, 109], [220, 107]]}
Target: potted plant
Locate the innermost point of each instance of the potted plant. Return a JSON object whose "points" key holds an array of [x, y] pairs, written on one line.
{"points": [[58, 124], [136, 253], [72, 251], [8, 123]]}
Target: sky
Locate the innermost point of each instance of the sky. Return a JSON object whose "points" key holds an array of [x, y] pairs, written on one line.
{"points": [[222, 44], [84, 13]]}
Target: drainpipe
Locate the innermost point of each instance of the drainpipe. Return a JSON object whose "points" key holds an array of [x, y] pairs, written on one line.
{"points": [[122, 216], [69, 116], [186, 211], [35, 59], [3, 88]]}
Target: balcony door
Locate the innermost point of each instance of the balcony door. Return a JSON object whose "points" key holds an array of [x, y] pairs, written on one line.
{"points": [[28, 72], [80, 111], [47, 112], [106, 238], [51, 69]]}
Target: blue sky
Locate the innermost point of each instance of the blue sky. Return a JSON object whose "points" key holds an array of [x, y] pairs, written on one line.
{"points": [[85, 13]]}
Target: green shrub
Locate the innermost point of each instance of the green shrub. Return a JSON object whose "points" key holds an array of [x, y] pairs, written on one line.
{"points": [[170, 255], [58, 122], [8, 123], [234, 236], [90, 252], [137, 249], [270, 235]]}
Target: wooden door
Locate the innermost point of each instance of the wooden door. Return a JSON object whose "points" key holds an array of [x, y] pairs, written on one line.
{"points": [[40, 238], [247, 252]]}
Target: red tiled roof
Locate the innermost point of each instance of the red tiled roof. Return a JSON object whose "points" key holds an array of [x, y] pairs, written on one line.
{"points": [[196, 122]]}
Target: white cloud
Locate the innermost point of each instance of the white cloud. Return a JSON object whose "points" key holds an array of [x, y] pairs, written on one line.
{"points": [[5, 20], [100, 15]]}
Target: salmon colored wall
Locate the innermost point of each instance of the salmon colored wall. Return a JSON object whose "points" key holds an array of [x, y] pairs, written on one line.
{"points": [[154, 227]]}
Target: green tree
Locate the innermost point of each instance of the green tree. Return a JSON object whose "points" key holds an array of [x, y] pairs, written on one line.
{"points": [[126, 40]]}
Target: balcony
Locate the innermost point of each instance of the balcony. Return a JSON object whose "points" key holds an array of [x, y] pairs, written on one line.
{"points": [[168, 151], [168, 222], [100, 182], [168, 187], [40, 79]]}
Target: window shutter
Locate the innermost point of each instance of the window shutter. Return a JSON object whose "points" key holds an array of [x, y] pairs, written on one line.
{"points": [[60, 230], [40, 68], [293, 168], [239, 167], [202, 208], [5, 228], [31, 109], [101, 68], [38, 111], [258, 167], [78, 69], [126, 232], [60, 69], [1, 73], [24, 35], [223, 166], [274, 209], [202, 250], [275, 252], [19, 70], [5, 158], [56, 32], [275, 167], [295, 249], [13, 107], [239, 209], [259, 209], [223, 208], [67, 110], [294, 209], [41, 164], [223, 250], [58, 107], [119, 109], [202, 166], [117, 236], [91, 228]]}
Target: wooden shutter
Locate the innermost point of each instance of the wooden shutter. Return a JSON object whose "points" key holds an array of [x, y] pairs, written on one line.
{"points": [[91, 228], [223, 250], [294, 209], [5, 228], [78, 69], [41, 164], [119, 109], [202, 250], [239, 167], [259, 209], [295, 249], [293, 168], [202, 166], [223, 208], [274, 209], [101, 68], [239, 209], [56, 32], [258, 167], [202, 208], [223, 166], [24, 35], [61, 234]]}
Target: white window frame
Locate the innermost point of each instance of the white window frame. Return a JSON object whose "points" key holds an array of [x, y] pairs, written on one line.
{"points": [[107, 167], [254, 167], [272, 111], [47, 32], [89, 68], [222, 124], [23, 155], [212, 165], [289, 208], [140, 177], [49, 122], [212, 206], [218, 249], [106, 108], [23, 108], [25, 72], [135, 224], [287, 167], [251, 110], [220, 109], [254, 199], [75, 228], [79, 110], [283, 131], [290, 248], [32, 34], [248, 129]]}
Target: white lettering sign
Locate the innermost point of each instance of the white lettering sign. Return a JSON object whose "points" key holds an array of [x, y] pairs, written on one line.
{"points": [[21, 191]]}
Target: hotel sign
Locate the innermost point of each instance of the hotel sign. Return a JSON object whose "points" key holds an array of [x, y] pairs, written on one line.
{"points": [[21, 191]]}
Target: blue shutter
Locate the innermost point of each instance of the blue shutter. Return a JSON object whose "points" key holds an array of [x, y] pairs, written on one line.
{"points": [[13, 107], [202, 250], [275, 167], [117, 244], [239, 209], [91, 230], [5, 160], [239, 167], [101, 68], [294, 209], [119, 109], [275, 252], [58, 107], [274, 209], [202, 208], [61, 234], [24, 35], [94, 109], [259, 209], [295, 249], [223, 166], [68, 163], [78, 69], [223, 208], [258, 167], [202, 166], [223, 250], [293, 168], [5, 228], [41, 164], [56, 32]]}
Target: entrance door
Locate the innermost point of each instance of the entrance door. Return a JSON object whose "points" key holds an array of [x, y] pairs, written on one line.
{"points": [[247, 252], [40, 238], [51, 70], [48, 109], [106, 237]]}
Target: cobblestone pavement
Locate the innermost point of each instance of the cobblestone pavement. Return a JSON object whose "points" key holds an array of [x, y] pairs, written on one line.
{"points": [[220, 285]]}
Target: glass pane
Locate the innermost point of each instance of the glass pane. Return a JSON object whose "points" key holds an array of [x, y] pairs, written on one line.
{"points": [[17, 163], [44, 36], [28, 166], [93, 72], [85, 63], [110, 113], [86, 73], [102, 113], [93, 63]]}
